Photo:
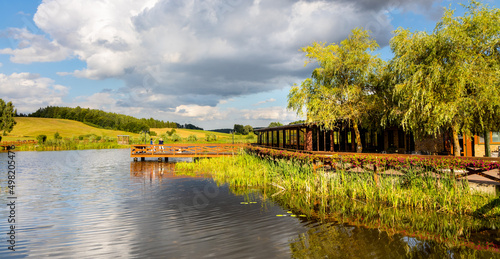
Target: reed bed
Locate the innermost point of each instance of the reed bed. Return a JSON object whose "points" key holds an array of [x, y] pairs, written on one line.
{"points": [[415, 203], [414, 189]]}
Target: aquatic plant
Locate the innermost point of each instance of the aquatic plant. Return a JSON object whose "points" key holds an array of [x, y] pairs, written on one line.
{"points": [[323, 194]]}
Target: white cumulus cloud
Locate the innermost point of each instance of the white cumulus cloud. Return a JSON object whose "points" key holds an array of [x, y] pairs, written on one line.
{"points": [[28, 91], [183, 57]]}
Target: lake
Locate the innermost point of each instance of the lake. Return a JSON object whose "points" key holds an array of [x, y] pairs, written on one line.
{"points": [[100, 204]]}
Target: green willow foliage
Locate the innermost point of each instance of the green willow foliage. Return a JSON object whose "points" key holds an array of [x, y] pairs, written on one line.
{"points": [[341, 88], [101, 119], [449, 79], [446, 81]]}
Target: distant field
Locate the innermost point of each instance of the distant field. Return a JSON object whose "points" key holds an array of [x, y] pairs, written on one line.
{"points": [[184, 133], [29, 128]]}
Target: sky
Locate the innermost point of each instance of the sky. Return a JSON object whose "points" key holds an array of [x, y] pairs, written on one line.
{"points": [[211, 63]]}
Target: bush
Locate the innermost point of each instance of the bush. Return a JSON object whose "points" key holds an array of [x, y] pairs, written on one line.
{"points": [[153, 133], [164, 137], [176, 138], [210, 137], [171, 132], [57, 136], [41, 139], [144, 138], [192, 138]]}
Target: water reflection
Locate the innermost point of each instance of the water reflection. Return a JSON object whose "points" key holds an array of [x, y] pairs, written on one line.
{"points": [[344, 241], [99, 204], [155, 171]]}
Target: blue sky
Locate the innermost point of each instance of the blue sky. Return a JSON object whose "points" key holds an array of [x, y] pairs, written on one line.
{"points": [[209, 63]]}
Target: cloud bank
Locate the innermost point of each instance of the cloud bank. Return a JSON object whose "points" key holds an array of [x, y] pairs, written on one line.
{"points": [[193, 53]]}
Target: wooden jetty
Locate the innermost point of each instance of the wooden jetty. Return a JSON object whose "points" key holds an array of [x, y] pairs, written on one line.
{"points": [[183, 150]]}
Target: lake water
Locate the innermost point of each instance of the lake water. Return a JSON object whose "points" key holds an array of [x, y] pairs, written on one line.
{"points": [[100, 204]]}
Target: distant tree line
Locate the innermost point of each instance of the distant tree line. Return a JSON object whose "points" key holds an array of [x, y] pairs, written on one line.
{"points": [[105, 120], [186, 126], [227, 131]]}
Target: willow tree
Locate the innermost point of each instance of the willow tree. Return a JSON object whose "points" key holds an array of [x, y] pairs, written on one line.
{"points": [[477, 35], [340, 88], [448, 78]]}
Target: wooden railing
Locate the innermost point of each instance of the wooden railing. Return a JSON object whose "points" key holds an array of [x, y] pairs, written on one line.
{"points": [[185, 150], [321, 159]]}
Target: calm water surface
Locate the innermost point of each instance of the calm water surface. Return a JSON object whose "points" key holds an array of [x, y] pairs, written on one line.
{"points": [[99, 204]]}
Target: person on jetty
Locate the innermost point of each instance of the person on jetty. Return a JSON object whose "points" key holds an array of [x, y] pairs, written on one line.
{"points": [[160, 142]]}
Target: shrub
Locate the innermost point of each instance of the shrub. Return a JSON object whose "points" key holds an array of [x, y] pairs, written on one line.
{"points": [[41, 139], [153, 133], [171, 132], [144, 138], [176, 138], [192, 138], [57, 135], [210, 137]]}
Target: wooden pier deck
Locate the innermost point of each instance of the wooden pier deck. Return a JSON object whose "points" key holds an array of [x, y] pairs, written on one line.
{"points": [[184, 150]]}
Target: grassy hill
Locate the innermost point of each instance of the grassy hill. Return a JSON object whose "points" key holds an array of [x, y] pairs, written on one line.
{"points": [[27, 128], [200, 134]]}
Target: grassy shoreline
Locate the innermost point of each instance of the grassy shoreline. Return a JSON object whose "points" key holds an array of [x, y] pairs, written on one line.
{"points": [[75, 135], [439, 209]]}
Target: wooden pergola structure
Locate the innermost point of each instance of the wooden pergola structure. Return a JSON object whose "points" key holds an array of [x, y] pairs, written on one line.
{"points": [[313, 137], [123, 139]]}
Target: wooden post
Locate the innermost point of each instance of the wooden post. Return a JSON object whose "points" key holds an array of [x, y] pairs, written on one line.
{"points": [[375, 175], [309, 139], [332, 143], [298, 138], [277, 138], [284, 138]]}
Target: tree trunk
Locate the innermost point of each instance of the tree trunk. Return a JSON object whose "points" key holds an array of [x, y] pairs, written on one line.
{"points": [[456, 143], [487, 149], [359, 147]]}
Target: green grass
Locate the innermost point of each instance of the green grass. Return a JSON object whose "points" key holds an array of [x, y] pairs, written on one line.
{"points": [[28, 128], [424, 206], [200, 134]]}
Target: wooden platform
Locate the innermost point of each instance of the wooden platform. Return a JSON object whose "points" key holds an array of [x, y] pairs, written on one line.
{"points": [[184, 150]]}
